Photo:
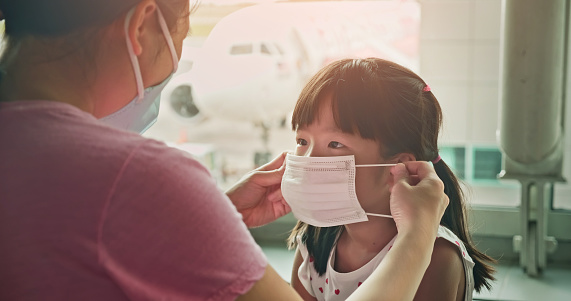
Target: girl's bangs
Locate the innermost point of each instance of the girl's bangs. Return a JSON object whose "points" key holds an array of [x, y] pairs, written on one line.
{"points": [[351, 98]]}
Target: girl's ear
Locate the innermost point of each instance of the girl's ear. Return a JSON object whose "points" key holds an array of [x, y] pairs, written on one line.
{"points": [[404, 157]]}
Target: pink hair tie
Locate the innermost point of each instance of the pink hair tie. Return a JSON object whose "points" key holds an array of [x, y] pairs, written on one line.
{"points": [[426, 88], [436, 160]]}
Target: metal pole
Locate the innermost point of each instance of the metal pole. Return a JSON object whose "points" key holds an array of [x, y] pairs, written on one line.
{"points": [[532, 87]]}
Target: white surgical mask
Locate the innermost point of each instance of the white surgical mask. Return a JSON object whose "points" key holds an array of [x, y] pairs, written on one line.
{"points": [[321, 190], [141, 113]]}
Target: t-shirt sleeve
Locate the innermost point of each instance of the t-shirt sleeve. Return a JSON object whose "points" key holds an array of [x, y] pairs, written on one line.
{"points": [[304, 271], [168, 233]]}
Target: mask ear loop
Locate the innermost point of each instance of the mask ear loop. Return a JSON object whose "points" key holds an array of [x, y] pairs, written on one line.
{"points": [[376, 165], [168, 39], [381, 215], [133, 57]]}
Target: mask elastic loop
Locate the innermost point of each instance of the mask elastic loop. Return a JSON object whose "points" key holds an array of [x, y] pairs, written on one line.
{"points": [[375, 165], [133, 57], [168, 38], [381, 215]]}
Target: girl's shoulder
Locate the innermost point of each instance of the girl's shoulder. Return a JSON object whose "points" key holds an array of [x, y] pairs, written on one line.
{"points": [[450, 269], [447, 235]]}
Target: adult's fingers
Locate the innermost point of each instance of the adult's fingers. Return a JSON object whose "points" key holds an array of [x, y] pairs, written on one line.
{"points": [[413, 180], [270, 177], [421, 169], [400, 173]]}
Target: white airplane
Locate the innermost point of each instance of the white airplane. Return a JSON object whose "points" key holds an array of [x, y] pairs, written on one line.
{"points": [[254, 63]]}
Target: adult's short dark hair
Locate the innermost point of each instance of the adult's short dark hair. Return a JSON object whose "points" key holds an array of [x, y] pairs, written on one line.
{"points": [[60, 17], [69, 27]]}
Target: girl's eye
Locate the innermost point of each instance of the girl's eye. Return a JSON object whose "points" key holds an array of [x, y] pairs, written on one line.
{"points": [[301, 142], [335, 144]]}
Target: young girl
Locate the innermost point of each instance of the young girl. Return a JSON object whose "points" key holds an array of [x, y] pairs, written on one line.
{"points": [[364, 113]]}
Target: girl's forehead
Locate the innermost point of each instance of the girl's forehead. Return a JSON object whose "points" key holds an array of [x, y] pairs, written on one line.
{"points": [[324, 128], [324, 123], [324, 115]]}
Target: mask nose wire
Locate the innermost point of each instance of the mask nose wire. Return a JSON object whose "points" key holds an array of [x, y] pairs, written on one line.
{"points": [[376, 165]]}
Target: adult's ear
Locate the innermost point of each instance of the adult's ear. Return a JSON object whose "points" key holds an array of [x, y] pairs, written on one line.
{"points": [[142, 17]]}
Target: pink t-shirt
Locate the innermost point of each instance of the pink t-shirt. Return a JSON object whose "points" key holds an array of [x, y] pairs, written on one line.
{"points": [[89, 212]]}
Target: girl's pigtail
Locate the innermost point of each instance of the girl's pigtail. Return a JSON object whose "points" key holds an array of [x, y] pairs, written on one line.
{"points": [[454, 219]]}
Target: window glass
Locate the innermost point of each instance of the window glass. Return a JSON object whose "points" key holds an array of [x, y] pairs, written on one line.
{"points": [[241, 104], [280, 50], [241, 49], [264, 49], [487, 164], [455, 158]]}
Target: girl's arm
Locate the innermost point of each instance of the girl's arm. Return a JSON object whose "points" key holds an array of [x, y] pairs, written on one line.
{"points": [[444, 279], [295, 282]]}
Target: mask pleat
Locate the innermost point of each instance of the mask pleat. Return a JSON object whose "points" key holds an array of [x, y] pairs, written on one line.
{"points": [[321, 190]]}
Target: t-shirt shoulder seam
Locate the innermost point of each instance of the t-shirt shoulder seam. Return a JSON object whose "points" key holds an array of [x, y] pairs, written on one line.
{"points": [[107, 200], [238, 283]]}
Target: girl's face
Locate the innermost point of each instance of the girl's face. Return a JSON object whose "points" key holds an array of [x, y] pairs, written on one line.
{"points": [[323, 138]]}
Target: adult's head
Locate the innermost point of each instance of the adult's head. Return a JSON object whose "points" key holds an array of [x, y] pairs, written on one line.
{"points": [[76, 51]]}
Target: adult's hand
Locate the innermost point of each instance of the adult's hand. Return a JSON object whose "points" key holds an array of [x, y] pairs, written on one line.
{"points": [[417, 198], [258, 196]]}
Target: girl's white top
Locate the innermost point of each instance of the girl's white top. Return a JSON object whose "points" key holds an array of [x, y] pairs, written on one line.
{"points": [[339, 286]]}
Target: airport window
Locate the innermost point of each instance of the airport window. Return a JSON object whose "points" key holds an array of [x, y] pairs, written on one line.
{"points": [[226, 85], [280, 50], [265, 50], [455, 158], [476, 164], [477, 167], [241, 49], [487, 164]]}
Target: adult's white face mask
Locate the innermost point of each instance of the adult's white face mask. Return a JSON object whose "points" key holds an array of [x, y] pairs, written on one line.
{"points": [[321, 190], [142, 112]]}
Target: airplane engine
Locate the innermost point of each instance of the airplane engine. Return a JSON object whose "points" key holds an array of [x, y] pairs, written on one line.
{"points": [[178, 100]]}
